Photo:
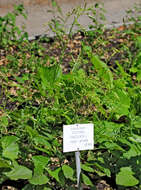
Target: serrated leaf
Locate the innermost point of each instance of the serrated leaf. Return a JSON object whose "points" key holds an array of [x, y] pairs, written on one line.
{"points": [[10, 147], [125, 177], [19, 172], [87, 180], [68, 171], [39, 179], [87, 168]]}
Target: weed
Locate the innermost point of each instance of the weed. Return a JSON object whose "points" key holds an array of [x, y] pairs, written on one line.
{"points": [[38, 94]]}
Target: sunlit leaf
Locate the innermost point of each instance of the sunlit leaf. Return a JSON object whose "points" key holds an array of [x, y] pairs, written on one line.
{"points": [[10, 147], [126, 177], [68, 171], [19, 172], [87, 180]]}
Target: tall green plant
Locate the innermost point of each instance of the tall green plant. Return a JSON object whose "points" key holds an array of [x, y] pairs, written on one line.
{"points": [[9, 31]]}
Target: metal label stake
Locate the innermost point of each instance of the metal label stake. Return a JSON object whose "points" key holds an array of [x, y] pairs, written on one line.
{"points": [[80, 136], [78, 169]]}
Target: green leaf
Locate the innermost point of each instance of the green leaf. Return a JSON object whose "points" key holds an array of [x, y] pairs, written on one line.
{"points": [[4, 121], [19, 172], [32, 132], [4, 164], [118, 102], [55, 174], [113, 146], [87, 180], [39, 179], [137, 122], [103, 70], [10, 147], [135, 138], [132, 152], [49, 75], [86, 168], [41, 140], [139, 75], [40, 162], [102, 170], [46, 188], [68, 171], [108, 131], [125, 177]]}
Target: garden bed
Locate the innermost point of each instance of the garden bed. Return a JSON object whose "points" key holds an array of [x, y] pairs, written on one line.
{"points": [[84, 77]]}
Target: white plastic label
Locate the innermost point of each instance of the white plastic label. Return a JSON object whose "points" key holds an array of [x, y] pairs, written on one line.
{"points": [[78, 137]]}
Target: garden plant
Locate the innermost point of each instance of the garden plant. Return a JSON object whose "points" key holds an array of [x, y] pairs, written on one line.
{"points": [[78, 76]]}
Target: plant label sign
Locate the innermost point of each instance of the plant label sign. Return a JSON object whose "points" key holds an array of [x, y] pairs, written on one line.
{"points": [[78, 137]]}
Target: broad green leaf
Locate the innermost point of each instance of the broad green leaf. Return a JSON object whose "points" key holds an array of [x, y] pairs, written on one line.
{"points": [[10, 147], [125, 177], [132, 152], [68, 171], [39, 179], [102, 70], [40, 162], [19, 172], [55, 174], [87, 168], [118, 102], [87, 180]]}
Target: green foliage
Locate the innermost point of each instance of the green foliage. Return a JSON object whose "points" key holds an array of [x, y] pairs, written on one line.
{"points": [[9, 32], [19, 172], [43, 96], [86, 180], [39, 164], [10, 147], [68, 172], [125, 177]]}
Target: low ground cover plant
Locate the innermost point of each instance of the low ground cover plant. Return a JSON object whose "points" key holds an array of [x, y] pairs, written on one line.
{"points": [[90, 76]]}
